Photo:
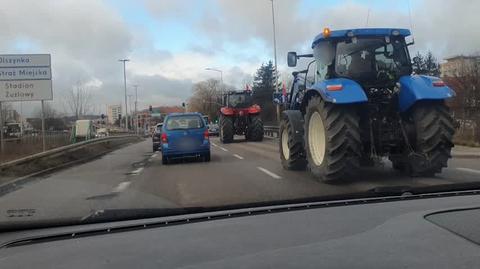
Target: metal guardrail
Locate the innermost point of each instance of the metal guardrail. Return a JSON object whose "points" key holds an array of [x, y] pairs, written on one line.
{"points": [[61, 149], [271, 131]]}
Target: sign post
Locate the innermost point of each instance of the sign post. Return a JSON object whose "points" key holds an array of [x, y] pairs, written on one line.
{"points": [[26, 77], [43, 126], [2, 145]]}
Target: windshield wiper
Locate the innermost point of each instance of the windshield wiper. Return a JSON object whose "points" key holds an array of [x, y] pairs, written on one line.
{"points": [[405, 190]]}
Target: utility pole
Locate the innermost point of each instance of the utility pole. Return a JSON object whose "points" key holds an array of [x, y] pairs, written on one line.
{"points": [[135, 113], [130, 97], [275, 58], [125, 86]]}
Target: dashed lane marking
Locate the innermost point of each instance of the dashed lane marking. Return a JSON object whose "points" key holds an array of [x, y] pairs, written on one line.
{"points": [[468, 170], [238, 156], [269, 173], [137, 171], [224, 149], [121, 187], [154, 155]]}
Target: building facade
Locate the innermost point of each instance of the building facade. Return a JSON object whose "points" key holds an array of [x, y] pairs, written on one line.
{"points": [[113, 113], [459, 66]]}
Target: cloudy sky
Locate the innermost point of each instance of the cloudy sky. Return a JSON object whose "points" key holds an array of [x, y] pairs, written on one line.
{"points": [[171, 42]]}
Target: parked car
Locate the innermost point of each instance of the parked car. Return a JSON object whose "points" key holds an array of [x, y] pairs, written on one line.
{"points": [[185, 135], [156, 136], [213, 129]]}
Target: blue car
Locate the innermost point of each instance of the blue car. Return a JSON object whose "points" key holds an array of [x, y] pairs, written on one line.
{"points": [[185, 135]]}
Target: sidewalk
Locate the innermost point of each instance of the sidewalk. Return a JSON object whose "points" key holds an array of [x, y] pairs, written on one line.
{"points": [[465, 152]]}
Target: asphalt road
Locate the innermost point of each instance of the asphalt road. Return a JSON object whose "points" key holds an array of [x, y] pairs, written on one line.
{"points": [[241, 172]]}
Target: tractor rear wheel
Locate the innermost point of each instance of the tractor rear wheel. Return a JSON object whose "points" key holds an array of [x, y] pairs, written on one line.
{"points": [[332, 140], [292, 152], [255, 129], [226, 129], [434, 130]]}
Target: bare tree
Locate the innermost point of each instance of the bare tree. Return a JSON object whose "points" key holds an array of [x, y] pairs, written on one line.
{"points": [[48, 111], [466, 105], [206, 98], [78, 100], [6, 108]]}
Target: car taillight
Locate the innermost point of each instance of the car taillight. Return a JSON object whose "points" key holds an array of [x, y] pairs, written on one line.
{"points": [[164, 138], [205, 135]]}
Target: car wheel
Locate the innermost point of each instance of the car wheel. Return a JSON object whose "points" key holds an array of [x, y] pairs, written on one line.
{"points": [[164, 160], [206, 157]]}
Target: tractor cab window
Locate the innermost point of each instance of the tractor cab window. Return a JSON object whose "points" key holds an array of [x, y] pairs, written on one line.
{"points": [[324, 54], [371, 59], [239, 100]]}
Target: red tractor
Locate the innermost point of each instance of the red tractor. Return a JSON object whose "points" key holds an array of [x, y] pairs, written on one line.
{"points": [[240, 117]]}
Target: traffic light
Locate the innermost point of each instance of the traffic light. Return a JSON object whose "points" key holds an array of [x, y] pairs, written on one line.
{"points": [[150, 108], [183, 104], [102, 116]]}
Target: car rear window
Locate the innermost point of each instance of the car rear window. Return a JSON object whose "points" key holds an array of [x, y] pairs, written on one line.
{"points": [[184, 122]]}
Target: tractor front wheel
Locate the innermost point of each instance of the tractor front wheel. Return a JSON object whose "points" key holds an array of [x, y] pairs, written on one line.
{"points": [[255, 129], [332, 140], [226, 129], [292, 152]]}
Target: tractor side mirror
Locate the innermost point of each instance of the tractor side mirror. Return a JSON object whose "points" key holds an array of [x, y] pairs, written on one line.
{"points": [[292, 59]]}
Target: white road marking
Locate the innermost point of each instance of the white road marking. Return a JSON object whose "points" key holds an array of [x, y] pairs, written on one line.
{"points": [[213, 144], [238, 156], [269, 173], [122, 186], [137, 171], [224, 149], [468, 170], [154, 155]]}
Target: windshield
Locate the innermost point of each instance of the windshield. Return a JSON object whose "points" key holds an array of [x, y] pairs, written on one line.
{"points": [[184, 122], [109, 108], [365, 59]]}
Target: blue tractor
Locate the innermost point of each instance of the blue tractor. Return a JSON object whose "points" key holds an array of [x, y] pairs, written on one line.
{"points": [[359, 101]]}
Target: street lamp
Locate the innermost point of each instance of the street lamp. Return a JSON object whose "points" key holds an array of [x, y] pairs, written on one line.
{"points": [[275, 57], [125, 86], [136, 116], [221, 78]]}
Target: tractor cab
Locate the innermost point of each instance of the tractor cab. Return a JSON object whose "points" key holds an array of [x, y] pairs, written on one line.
{"points": [[371, 57], [238, 99]]}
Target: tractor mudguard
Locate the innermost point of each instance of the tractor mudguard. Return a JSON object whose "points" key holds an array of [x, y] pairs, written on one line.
{"points": [[418, 87], [340, 91], [296, 119], [227, 111]]}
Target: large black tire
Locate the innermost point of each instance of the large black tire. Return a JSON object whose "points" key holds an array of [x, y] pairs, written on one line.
{"points": [[434, 129], [255, 129], [226, 129], [292, 151], [341, 140]]}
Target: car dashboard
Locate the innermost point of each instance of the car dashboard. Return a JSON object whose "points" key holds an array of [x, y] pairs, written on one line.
{"points": [[399, 232]]}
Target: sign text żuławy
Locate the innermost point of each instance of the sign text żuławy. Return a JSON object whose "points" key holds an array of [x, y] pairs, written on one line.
{"points": [[25, 77]]}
